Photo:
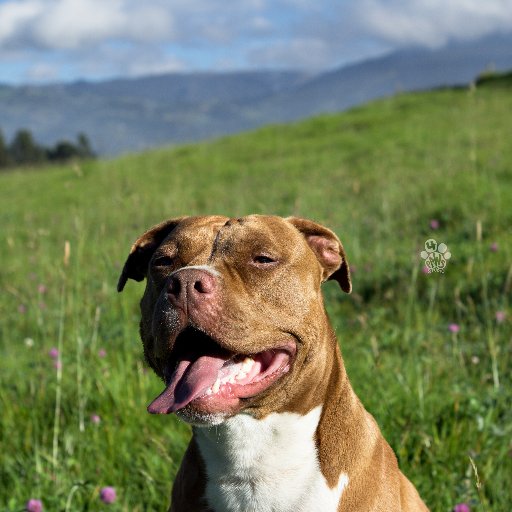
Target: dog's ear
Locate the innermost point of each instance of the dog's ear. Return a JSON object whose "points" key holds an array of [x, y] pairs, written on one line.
{"points": [[136, 265], [328, 250]]}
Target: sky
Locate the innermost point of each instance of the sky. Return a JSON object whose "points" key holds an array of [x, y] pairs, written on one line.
{"points": [[65, 40]]}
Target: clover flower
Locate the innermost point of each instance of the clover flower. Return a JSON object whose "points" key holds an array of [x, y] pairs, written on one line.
{"points": [[34, 505], [500, 316], [108, 494], [455, 328]]}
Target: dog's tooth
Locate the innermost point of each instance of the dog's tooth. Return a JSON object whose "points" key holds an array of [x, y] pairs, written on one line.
{"points": [[241, 375], [216, 386], [228, 378], [247, 364]]}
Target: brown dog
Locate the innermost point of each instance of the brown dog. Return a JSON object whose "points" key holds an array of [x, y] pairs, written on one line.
{"points": [[233, 321]]}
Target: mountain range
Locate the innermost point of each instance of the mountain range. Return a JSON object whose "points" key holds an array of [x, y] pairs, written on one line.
{"points": [[131, 114]]}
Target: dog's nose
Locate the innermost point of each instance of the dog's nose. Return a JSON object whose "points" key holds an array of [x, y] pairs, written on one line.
{"points": [[190, 286]]}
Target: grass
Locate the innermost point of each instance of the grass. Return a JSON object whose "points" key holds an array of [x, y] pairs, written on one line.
{"points": [[377, 175]]}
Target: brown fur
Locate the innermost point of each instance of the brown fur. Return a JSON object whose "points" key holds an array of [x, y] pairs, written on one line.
{"points": [[257, 309]]}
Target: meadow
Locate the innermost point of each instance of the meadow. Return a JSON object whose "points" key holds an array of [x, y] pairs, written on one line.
{"points": [[429, 354]]}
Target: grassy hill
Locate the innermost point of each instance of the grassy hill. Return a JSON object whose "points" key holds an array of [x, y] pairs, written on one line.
{"points": [[428, 354]]}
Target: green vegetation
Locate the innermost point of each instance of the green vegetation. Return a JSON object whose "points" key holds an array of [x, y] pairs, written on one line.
{"points": [[378, 175], [494, 79], [25, 151]]}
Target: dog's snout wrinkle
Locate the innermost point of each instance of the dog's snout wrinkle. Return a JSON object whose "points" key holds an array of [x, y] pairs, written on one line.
{"points": [[206, 268]]}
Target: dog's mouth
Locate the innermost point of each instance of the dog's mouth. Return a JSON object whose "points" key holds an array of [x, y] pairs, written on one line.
{"points": [[201, 372]]}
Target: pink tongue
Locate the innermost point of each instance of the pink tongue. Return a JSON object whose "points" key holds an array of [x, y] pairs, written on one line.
{"points": [[189, 380]]}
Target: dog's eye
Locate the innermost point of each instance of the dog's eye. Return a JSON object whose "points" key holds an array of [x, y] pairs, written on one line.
{"points": [[263, 259], [163, 261]]}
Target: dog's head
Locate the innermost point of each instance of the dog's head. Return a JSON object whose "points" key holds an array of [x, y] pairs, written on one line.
{"points": [[232, 311]]}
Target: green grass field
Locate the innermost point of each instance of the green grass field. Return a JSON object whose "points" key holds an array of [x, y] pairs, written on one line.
{"points": [[378, 175]]}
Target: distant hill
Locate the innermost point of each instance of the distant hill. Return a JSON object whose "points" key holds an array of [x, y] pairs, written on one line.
{"points": [[133, 114], [408, 70]]}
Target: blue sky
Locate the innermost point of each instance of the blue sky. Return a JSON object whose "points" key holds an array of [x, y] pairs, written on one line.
{"points": [[55, 40]]}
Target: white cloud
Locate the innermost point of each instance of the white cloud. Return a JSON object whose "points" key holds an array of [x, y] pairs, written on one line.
{"points": [[153, 64], [15, 16], [70, 24], [128, 60], [99, 38], [42, 72], [308, 53], [433, 22]]}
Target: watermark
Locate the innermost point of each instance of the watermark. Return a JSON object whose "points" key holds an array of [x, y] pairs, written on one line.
{"points": [[436, 256]]}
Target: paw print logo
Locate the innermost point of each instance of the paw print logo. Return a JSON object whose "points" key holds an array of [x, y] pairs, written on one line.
{"points": [[436, 256]]}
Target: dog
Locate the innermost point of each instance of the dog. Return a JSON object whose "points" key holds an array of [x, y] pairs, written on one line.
{"points": [[233, 322]]}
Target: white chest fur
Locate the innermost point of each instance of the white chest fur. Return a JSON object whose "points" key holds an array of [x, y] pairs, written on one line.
{"points": [[268, 465]]}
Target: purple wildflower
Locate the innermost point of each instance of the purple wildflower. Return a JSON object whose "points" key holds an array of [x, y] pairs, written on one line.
{"points": [[102, 353], [434, 224], [108, 495], [461, 507], [34, 506], [454, 328], [95, 418], [54, 353], [425, 269], [493, 247], [500, 316], [41, 288]]}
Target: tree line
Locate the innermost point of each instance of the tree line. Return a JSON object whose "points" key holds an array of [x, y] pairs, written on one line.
{"points": [[23, 150]]}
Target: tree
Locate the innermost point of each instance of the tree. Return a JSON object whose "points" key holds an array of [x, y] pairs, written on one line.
{"points": [[23, 149], [62, 151], [65, 150], [84, 147], [4, 153]]}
